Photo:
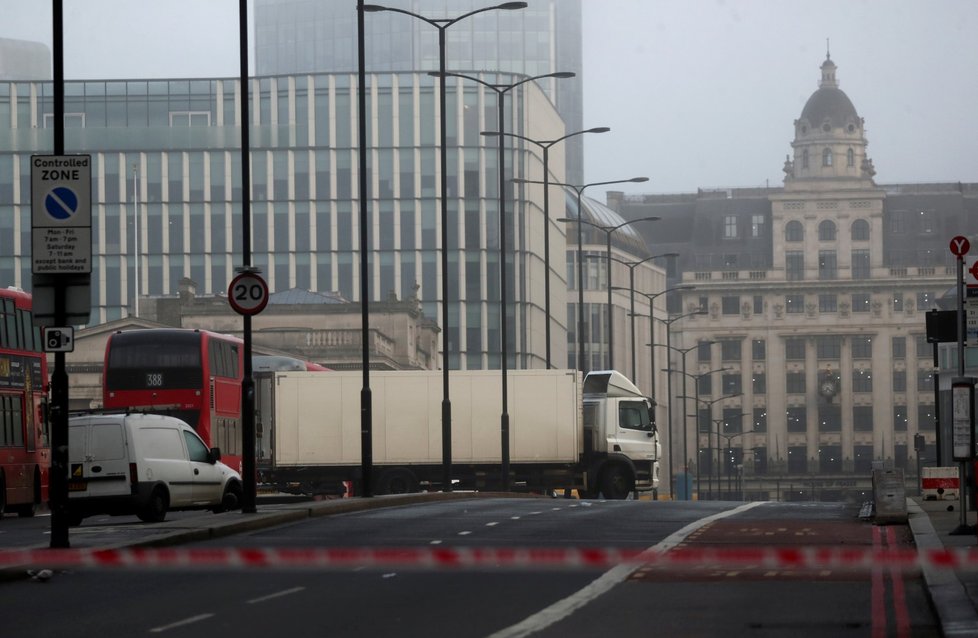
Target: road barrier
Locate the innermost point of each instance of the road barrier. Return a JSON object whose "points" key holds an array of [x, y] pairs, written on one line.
{"points": [[537, 559]]}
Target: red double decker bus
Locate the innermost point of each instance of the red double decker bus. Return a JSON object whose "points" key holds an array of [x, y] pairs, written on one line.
{"points": [[194, 375], [25, 444]]}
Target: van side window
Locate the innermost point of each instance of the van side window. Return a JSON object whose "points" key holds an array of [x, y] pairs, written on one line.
{"points": [[161, 443], [198, 451], [634, 415]]}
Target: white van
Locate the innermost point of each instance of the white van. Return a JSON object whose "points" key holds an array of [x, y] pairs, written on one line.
{"points": [[144, 464]]}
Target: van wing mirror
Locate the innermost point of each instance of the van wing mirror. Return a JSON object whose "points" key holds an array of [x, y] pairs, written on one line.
{"points": [[215, 454]]}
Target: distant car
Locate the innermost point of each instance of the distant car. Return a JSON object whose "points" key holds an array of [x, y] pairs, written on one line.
{"points": [[144, 464]]}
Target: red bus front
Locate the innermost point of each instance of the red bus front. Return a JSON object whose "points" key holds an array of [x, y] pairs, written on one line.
{"points": [[193, 375]]}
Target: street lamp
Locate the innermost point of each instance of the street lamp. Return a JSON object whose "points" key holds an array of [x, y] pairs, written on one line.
{"points": [[545, 145], [728, 437], [709, 403], [579, 189], [668, 345], [501, 90], [135, 217], [651, 299], [443, 24], [632, 265], [696, 391]]}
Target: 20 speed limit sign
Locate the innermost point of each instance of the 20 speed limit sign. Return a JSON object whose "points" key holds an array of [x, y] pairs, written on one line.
{"points": [[248, 293]]}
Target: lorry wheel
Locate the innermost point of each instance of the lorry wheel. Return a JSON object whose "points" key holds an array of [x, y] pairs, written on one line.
{"points": [[397, 481], [616, 484], [155, 509]]}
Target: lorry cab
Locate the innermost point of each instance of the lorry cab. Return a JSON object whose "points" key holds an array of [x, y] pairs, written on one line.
{"points": [[620, 436]]}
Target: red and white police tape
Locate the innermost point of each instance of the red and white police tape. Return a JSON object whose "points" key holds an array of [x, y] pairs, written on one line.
{"points": [[492, 558]]}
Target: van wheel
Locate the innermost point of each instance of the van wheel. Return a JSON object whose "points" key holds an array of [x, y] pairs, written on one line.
{"points": [[615, 483], [231, 500], [155, 509]]}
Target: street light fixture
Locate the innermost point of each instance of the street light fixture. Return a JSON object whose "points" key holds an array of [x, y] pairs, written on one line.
{"points": [[632, 265], [709, 403], [728, 437], [579, 189], [443, 24], [608, 230], [651, 299], [501, 90], [545, 145]]}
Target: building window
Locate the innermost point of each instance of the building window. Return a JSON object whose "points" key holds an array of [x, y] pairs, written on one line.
{"points": [[827, 157], [759, 384], [926, 301], [860, 302], [862, 380], [829, 417], [924, 349], [794, 349], [828, 303], [860, 264], [733, 421], [797, 419], [705, 385], [826, 231], [928, 221], [850, 158], [794, 265], [830, 459], [925, 418], [794, 304], [899, 418], [827, 264], [828, 348], [862, 418], [794, 231], [860, 230], [804, 158], [862, 347], [925, 380], [730, 227], [795, 382], [760, 419], [757, 226], [732, 384], [730, 350], [758, 305], [899, 347], [863, 459], [758, 348], [730, 305], [703, 352], [899, 380], [898, 302]]}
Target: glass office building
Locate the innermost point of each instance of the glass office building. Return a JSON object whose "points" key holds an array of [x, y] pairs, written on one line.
{"points": [[297, 36], [166, 152]]}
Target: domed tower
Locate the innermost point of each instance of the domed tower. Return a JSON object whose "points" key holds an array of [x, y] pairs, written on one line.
{"points": [[830, 141]]}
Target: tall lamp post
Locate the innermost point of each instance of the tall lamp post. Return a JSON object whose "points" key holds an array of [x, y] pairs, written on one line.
{"points": [[684, 352], [443, 24], [608, 231], [668, 345], [709, 404], [579, 189], [696, 391], [501, 90], [545, 145], [728, 437], [651, 297], [135, 217], [632, 265]]}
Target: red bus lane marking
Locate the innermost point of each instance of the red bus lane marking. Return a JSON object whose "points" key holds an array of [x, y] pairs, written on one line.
{"points": [[878, 591], [900, 612]]}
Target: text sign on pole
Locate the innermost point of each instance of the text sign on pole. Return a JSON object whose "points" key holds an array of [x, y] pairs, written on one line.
{"points": [[971, 316], [248, 293], [61, 214], [962, 419], [960, 246]]}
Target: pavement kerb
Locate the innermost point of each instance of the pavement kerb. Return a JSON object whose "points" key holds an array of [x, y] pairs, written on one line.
{"points": [[947, 593]]}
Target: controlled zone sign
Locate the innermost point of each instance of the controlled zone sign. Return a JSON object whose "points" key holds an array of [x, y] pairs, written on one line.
{"points": [[61, 214], [248, 293]]}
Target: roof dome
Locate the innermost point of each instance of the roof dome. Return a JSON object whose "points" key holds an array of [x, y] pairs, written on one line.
{"points": [[829, 104]]}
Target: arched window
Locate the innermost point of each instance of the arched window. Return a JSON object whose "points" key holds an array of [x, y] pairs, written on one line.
{"points": [[826, 231], [804, 158], [850, 158], [794, 231], [860, 230], [827, 157]]}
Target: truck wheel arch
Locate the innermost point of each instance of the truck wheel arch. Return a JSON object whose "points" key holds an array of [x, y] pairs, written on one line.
{"points": [[613, 476], [397, 480]]}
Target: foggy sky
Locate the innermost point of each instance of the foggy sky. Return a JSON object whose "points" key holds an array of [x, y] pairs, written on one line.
{"points": [[698, 93]]}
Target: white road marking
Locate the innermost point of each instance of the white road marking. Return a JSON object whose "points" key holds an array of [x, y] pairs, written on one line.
{"points": [[284, 592], [435, 542], [514, 518], [604, 583], [180, 623], [492, 524], [466, 533]]}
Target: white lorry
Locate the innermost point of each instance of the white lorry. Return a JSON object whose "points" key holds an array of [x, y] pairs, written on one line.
{"points": [[596, 437]]}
